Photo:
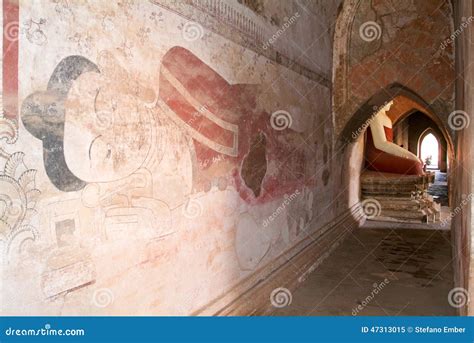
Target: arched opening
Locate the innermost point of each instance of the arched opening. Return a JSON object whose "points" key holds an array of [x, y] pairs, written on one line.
{"points": [[412, 127], [423, 136], [367, 73], [412, 120], [411, 117], [429, 151], [405, 104]]}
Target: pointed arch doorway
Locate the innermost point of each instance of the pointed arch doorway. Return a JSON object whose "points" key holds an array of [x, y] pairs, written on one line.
{"points": [[430, 151]]}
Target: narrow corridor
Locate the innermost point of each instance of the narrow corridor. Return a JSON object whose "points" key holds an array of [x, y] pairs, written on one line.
{"points": [[380, 272], [439, 189], [218, 157]]}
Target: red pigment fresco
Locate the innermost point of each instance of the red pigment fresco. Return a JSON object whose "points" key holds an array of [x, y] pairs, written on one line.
{"points": [[236, 106], [10, 58]]}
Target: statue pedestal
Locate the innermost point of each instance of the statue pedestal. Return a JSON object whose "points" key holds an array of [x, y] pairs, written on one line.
{"points": [[402, 198]]}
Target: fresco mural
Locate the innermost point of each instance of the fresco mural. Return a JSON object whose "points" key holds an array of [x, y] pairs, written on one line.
{"points": [[82, 105], [18, 195], [153, 155]]}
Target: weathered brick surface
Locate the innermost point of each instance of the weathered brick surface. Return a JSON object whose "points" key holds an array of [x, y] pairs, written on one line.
{"points": [[410, 50]]}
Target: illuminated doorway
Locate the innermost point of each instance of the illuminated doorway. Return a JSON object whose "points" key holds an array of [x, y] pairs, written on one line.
{"points": [[429, 151]]}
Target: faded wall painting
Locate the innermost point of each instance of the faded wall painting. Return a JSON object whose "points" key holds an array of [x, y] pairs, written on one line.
{"points": [[139, 152]]}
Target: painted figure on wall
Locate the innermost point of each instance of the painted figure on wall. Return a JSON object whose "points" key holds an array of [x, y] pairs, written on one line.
{"points": [[98, 136], [100, 126], [229, 128]]}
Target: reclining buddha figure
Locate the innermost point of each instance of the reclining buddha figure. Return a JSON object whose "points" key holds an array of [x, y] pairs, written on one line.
{"points": [[382, 154]]}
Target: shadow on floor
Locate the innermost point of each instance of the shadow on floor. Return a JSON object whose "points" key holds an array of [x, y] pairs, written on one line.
{"points": [[380, 272]]}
